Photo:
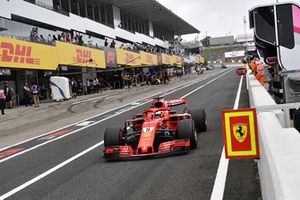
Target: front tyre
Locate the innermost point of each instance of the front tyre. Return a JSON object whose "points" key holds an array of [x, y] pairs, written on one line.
{"points": [[112, 137], [199, 117], [186, 130]]}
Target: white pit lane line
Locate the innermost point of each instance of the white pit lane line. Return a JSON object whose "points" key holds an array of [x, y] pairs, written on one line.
{"points": [[57, 167], [220, 181]]}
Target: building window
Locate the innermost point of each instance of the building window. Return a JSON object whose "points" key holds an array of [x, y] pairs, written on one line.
{"points": [[82, 8], [133, 23], [74, 7]]}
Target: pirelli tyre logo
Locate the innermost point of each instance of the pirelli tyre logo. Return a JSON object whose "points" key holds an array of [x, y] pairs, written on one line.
{"points": [[16, 53], [83, 56]]}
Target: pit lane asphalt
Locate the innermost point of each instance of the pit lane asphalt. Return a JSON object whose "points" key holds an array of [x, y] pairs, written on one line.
{"points": [[182, 177]]}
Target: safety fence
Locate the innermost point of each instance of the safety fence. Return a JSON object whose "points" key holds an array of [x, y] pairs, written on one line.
{"points": [[279, 161]]}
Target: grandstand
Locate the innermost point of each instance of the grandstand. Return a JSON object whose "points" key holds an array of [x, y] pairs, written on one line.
{"points": [[85, 39]]}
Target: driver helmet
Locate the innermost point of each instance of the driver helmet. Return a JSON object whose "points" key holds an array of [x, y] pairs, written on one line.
{"points": [[159, 114]]}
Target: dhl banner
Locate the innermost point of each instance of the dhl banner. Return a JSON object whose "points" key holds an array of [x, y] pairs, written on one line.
{"points": [[167, 59], [202, 60], [177, 60], [199, 59], [148, 58], [75, 55], [128, 58], [27, 55], [240, 133]]}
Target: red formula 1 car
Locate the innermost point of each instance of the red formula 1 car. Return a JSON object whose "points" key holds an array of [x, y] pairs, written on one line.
{"points": [[159, 130]]}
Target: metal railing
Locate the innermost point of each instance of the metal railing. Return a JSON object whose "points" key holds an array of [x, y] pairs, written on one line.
{"points": [[286, 110], [28, 39]]}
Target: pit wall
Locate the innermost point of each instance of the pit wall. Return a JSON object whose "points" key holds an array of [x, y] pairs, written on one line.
{"points": [[279, 163]]}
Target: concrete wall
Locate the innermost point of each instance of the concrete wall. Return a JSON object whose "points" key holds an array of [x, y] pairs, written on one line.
{"points": [[279, 164]]}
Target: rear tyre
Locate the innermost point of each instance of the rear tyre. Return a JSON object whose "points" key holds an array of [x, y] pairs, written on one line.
{"points": [[186, 130], [112, 137], [199, 117]]}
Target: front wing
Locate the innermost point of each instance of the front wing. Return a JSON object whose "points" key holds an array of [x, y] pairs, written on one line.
{"points": [[164, 149]]}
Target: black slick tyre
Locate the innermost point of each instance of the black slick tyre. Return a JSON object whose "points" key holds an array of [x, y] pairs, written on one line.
{"points": [[185, 130], [199, 117], [112, 137]]}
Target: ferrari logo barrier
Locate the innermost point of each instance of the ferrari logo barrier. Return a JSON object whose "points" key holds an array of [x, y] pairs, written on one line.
{"points": [[240, 133]]}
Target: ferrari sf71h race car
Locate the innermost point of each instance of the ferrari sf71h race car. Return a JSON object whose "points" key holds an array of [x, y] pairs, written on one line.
{"points": [[159, 130]]}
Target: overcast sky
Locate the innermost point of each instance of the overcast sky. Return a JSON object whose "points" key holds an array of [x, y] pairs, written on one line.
{"points": [[216, 17]]}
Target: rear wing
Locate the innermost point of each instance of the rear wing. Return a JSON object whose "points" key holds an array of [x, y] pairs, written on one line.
{"points": [[160, 102], [176, 102]]}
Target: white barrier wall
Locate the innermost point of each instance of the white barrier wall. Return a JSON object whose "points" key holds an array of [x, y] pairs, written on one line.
{"points": [[259, 96], [279, 164]]}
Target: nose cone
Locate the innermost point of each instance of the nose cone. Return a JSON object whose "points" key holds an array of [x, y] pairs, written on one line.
{"points": [[147, 137]]}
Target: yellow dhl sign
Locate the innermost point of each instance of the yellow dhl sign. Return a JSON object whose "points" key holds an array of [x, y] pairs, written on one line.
{"points": [[199, 59], [27, 55], [128, 58], [148, 58], [177, 60], [167, 59], [75, 55], [202, 60]]}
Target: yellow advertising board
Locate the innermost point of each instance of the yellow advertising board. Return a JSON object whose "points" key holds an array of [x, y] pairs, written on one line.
{"points": [[167, 59], [202, 60], [27, 55], [177, 60], [199, 59], [75, 55], [148, 58], [128, 58]]}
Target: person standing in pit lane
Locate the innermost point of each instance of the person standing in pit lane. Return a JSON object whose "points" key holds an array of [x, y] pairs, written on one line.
{"points": [[35, 95], [2, 101], [27, 95], [8, 92]]}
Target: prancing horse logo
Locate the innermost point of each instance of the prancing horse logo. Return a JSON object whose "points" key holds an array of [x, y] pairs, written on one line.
{"points": [[240, 132]]}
